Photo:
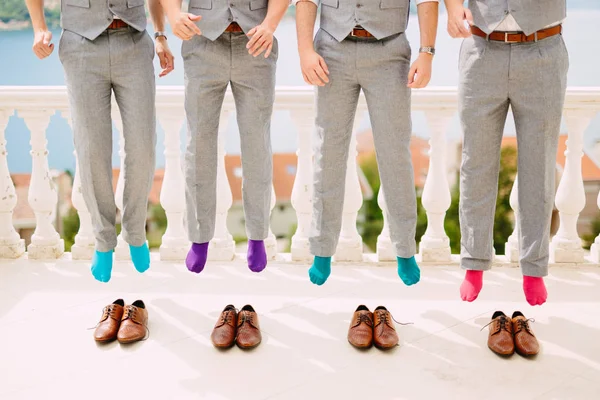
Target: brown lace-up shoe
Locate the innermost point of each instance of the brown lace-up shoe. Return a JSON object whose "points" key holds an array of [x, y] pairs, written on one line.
{"points": [[107, 328], [360, 334], [134, 323], [384, 332], [223, 335], [500, 339], [526, 343], [248, 329]]}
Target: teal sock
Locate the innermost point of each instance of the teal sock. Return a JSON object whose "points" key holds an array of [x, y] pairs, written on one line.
{"points": [[102, 263], [320, 270], [408, 270], [140, 255]]}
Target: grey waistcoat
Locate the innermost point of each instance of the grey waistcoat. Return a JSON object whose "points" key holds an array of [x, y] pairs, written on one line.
{"points": [[531, 15], [89, 18], [218, 14], [382, 18]]}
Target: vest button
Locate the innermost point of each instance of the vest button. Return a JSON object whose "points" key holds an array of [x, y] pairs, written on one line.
{"points": [[358, 5], [231, 5]]}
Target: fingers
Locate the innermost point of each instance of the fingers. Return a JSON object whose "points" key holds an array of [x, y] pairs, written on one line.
{"points": [[323, 65], [252, 43], [306, 78], [268, 52], [167, 63], [469, 17], [184, 32], [189, 23], [263, 46], [47, 38], [194, 17], [163, 59], [321, 74], [252, 31], [314, 78], [411, 75], [42, 50]]}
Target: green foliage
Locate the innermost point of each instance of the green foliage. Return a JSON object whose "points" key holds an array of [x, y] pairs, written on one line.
{"points": [[16, 10], [589, 238], [157, 225], [70, 227]]}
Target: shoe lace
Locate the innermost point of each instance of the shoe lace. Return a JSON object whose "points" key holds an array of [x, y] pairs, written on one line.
{"points": [[108, 311], [524, 324], [502, 323], [383, 318], [364, 318], [130, 313]]}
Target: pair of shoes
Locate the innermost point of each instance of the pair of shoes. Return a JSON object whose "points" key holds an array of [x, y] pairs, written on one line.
{"points": [[237, 328], [508, 335], [127, 324], [372, 328]]}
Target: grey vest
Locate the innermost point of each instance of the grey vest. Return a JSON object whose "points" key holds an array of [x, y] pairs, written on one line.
{"points": [[382, 18], [89, 18], [218, 14], [531, 15]]}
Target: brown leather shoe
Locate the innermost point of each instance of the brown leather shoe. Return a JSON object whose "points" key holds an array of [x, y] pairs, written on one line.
{"points": [[360, 334], [384, 332], [134, 323], [107, 328], [500, 339], [526, 343], [248, 330], [223, 335]]}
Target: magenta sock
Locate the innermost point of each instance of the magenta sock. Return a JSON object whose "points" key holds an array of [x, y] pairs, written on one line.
{"points": [[257, 255], [471, 286], [535, 290], [196, 258]]}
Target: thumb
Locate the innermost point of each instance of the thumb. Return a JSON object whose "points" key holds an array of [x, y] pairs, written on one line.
{"points": [[47, 38], [252, 31], [411, 74], [194, 17], [469, 17]]}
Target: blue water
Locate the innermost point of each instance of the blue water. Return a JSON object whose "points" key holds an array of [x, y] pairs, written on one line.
{"points": [[18, 66]]}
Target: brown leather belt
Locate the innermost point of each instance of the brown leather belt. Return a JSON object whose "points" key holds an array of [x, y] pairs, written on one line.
{"points": [[117, 24], [517, 37], [234, 28], [361, 33]]}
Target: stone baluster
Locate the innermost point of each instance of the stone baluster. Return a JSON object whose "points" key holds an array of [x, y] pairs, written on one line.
{"points": [[11, 245], [350, 245], [122, 250], [43, 198], [595, 249], [85, 243], [302, 191], [436, 198], [385, 248], [511, 249], [222, 246], [271, 240], [175, 244], [570, 196]]}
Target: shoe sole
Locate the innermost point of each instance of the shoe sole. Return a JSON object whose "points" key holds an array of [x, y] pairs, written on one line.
{"points": [[361, 347], [384, 348], [129, 341], [102, 341], [248, 347]]}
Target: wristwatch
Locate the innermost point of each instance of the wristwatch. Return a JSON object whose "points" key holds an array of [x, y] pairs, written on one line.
{"points": [[159, 34], [428, 50]]}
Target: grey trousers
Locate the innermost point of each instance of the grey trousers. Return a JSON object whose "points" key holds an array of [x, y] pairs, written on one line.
{"points": [[380, 69], [210, 66], [531, 79], [118, 61]]}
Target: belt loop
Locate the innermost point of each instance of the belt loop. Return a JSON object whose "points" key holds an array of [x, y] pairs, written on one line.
{"points": [[487, 37], [535, 35]]}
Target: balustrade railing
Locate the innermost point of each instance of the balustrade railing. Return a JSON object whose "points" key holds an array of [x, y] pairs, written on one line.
{"points": [[35, 105]]}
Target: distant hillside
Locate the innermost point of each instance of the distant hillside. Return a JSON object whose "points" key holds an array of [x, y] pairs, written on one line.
{"points": [[14, 13]]}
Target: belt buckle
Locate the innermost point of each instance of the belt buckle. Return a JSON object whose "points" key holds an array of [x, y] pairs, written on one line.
{"points": [[352, 34], [506, 37]]}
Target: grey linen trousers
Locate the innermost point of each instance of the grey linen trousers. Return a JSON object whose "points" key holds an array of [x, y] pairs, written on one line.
{"points": [[530, 78], [210, 66], [380, 68], [118, 61]]}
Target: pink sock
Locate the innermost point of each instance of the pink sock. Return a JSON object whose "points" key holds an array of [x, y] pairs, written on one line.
{"points": [[535, 290], [471, 286]]}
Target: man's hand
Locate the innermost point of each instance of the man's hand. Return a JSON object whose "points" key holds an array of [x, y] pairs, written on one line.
{"points": [[167, 61], [420, 72], [314, 68], [184, 27], [457, 16], [261, 40], [42, 44]]}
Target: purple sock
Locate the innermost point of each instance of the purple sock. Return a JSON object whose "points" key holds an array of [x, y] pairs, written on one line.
{"points": [[257, 256], [196, 258]]}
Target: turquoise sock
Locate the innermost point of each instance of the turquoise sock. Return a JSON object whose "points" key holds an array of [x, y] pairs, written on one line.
{"points": [[140, 255], [320, 270], [408, 270], [102, 263]]}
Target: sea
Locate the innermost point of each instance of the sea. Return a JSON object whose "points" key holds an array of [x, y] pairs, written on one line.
{"points": [[19, 66]]}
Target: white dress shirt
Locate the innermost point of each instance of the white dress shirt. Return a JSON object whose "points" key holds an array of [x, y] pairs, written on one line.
{"points": [[509, 24]]}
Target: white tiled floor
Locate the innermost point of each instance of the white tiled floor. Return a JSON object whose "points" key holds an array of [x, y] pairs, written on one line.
{"points": [[47, 352]]}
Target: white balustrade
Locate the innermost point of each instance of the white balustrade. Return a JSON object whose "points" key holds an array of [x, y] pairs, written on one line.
{"points": [[43, 198], [11, 245], [350, 245], [271, 240], [511, 248], [385, 248], [436, 199], [85, 243], [302, 191], [222, 246], [595, 249], [175, 244], [122, 249], [570, 196]]}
